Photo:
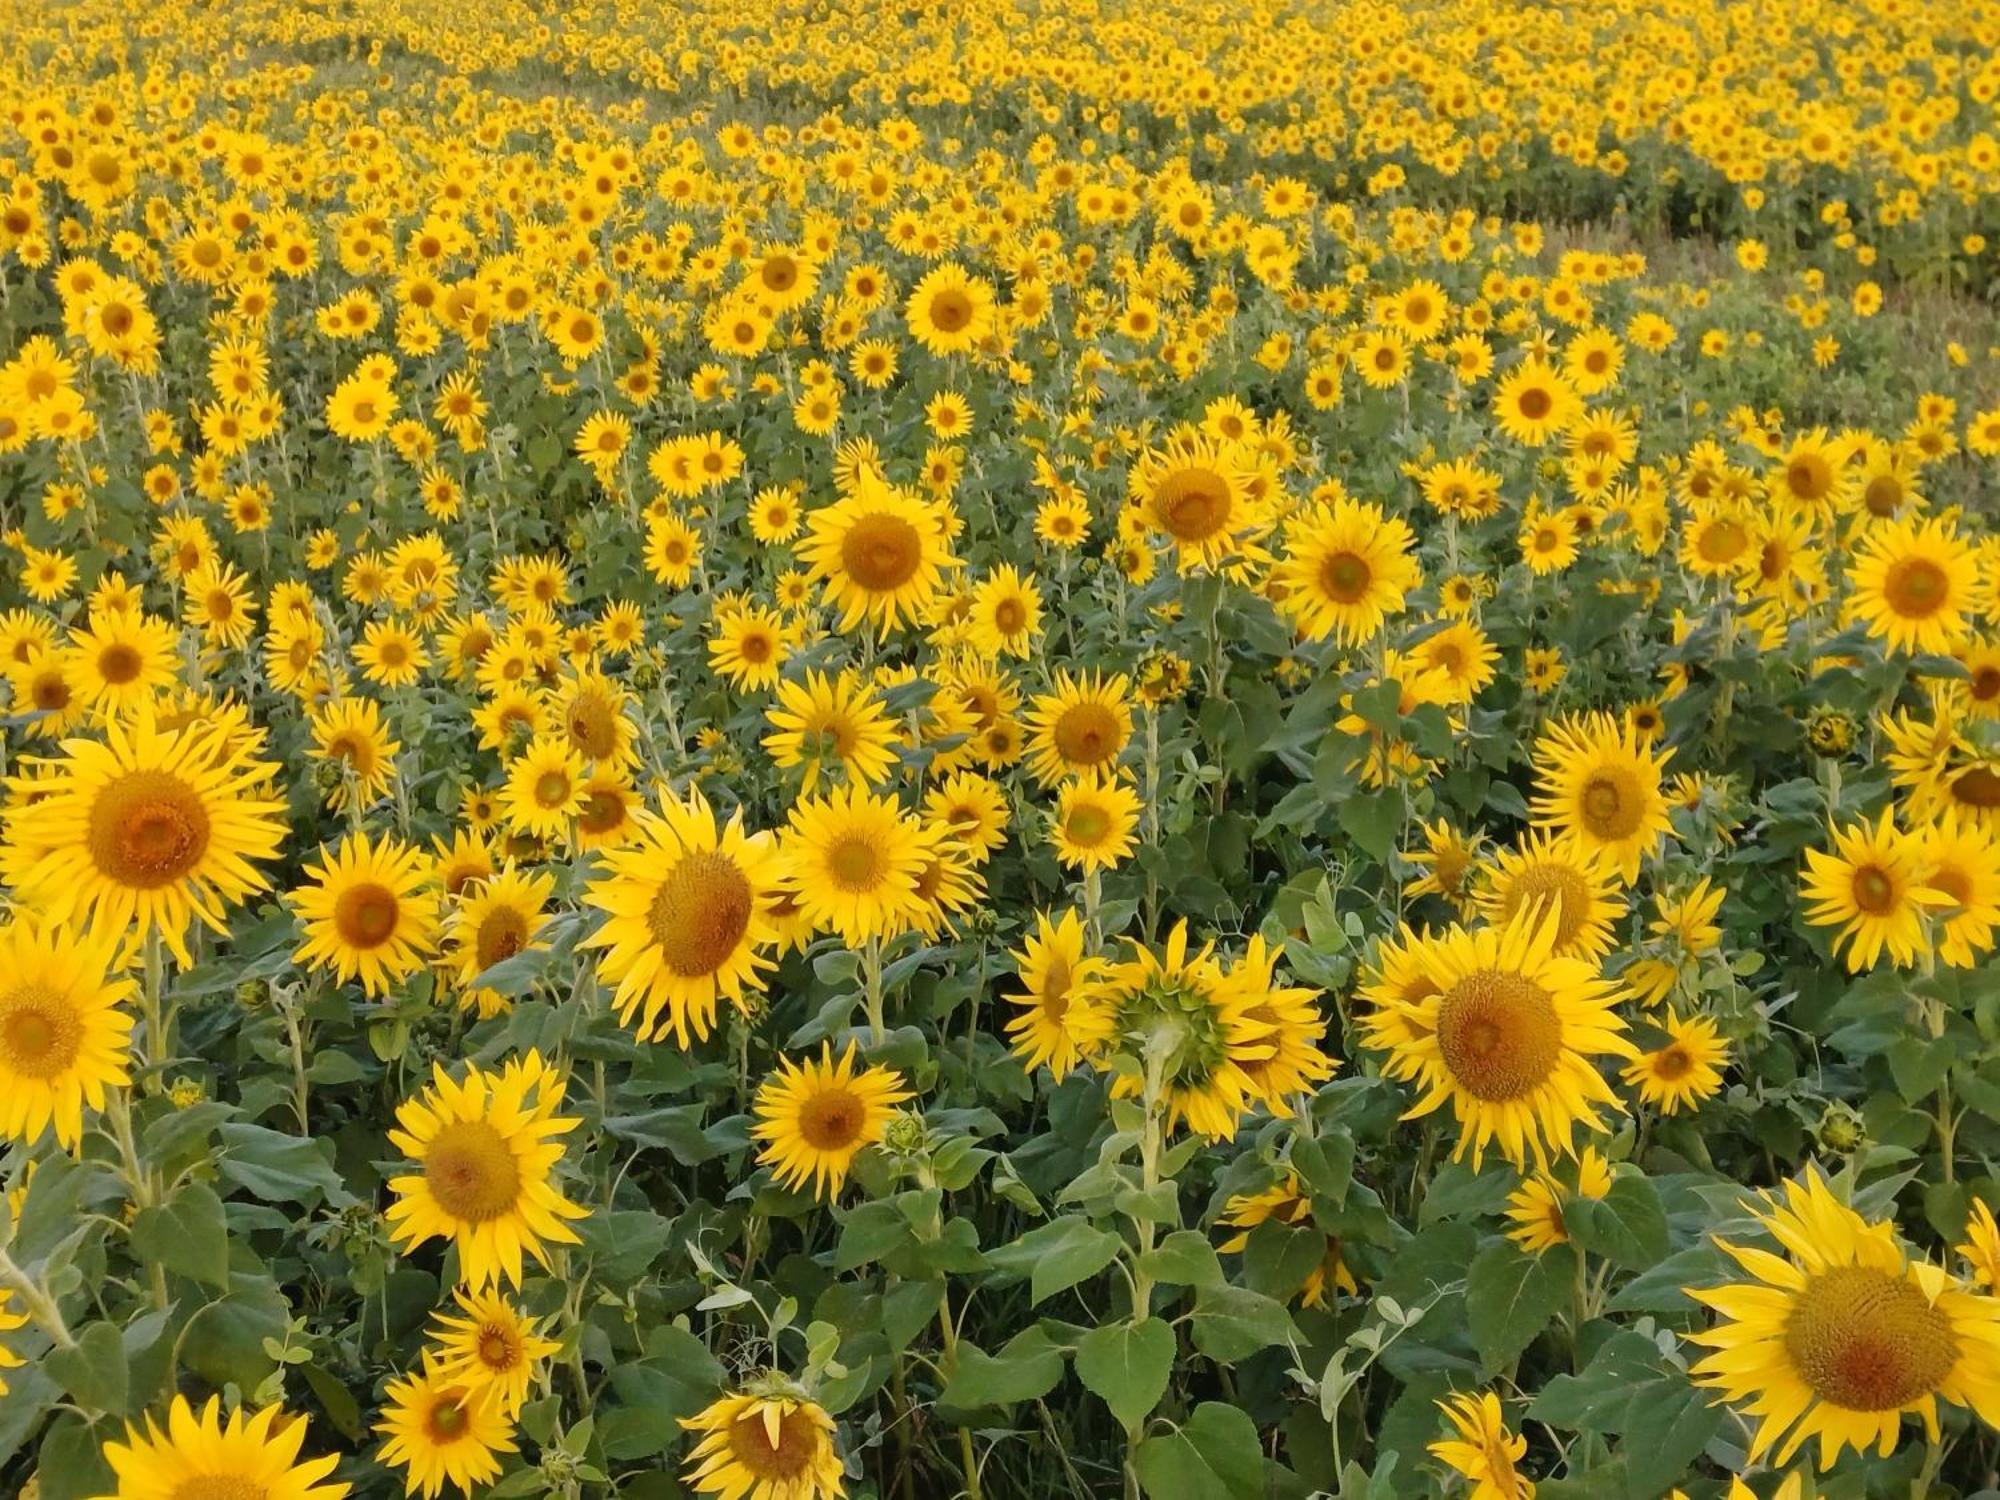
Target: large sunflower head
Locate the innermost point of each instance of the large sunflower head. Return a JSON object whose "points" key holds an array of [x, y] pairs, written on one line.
{"points": [[1062, 1019], [1843, 1335], [484, 1151], [370, 911], [815, 1117], [252, 1454], [1600, 783], [687, 899], [1346, 569], [1507, 1032], [63, 1032], [495, 920], [1555, 876], [853, 859], [881, 554], [1197, 492], [1082, 726]]}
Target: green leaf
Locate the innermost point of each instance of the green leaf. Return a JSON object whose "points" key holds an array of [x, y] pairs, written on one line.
{"points": [[224, 1341], [1128, 1365], [1183, 1258], [1058, 1255], [1373, 820], [279, 1168], [1510, 1298], [1231, 1323], [1029, 1366], [1214, 1455], [342, 1410], [869, 1232], [93, 1369], [188, 1234], [71, 1460], [1626, 1225], [1629, 1389], [676, 1379]]}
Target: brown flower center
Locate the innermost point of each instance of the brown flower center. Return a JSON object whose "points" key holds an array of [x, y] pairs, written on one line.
{"points": [[40, 1034], [700, 913], [148, 829], [1865, 1340], [1499, 1034], [881, 552], [471, 1171]]}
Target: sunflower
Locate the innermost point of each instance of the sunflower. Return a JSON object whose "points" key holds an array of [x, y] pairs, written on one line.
{"points": [[1062, 1019], [973, 809], [1293, 1030], [1346, 569], [1082, 726], [1843, 1336], [121, 660], [1094, 822], [1286, 1203], [496, 919], [1451, 862], [880, 552], [814, 1117], [687, 902], [589, 708], [1916, 587], [749, 648], [1601, 784], [1005, 613], [1536, 1206], [1505, 1030], [370, 912], [821, 719], [1464, 655], [198, 1453], [63, 1034], [485, 1166], [1683, 1071], [492, 1351], [948, 311], [1555, 876], [144, 832], [351, 736], [544, 787], [1193, 1031], [1534, 403], [440, 1431], [852, 859], [1196, 491], [1484, 1451], [765, 1444], [43, 693], [1872, 886], [1964, 861]]}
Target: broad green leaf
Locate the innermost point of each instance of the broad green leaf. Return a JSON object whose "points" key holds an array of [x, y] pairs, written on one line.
{"points": [[1214, 1455], [188, 1234], [1626, 1225], [279, 1168], [1128, 1364], [93, 1369], [1183, 1258], [1057, 1255], [1029, 1366], [1231, 1323], [1510, 1296]]}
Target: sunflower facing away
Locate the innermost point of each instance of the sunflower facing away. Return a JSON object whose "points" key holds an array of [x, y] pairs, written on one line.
{"points": [[146, 831], [815, 1117], [485, 1157], [1484, 1451], [687, 900], [1506, 1031], [767, 1443], [1844, 1335], [199, 1454], [63, 1033]]}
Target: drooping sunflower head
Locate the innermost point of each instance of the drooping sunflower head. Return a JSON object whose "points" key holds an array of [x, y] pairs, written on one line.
{"points": [[766, 1440], [1062, 1019]]}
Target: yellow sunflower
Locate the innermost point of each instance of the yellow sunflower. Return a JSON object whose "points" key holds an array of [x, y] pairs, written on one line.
{"points": [[1196, 492], [1285, 1202], [63, 1034], [145, 831], [350, 735], [1600, 783], [1684, 1070], [492, 1350], [496, 918], [818, 719], [485, 1165], [815, 1117], [544, 787], [370, 912], [1553, 875], [687, 902], [880, 553], [1095, 820], [1082, 726], [1872, 887], [1346, 569], [1844, 1335], [440, 1431], [198, 1453], [1917, 587], [1062, 1019], [852, 859], [1484, 1451], [765, 1444], [121, 660], [1506, 1031]]}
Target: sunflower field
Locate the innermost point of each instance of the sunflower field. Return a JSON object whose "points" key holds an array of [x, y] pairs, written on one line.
{"points": [[999, 750]]}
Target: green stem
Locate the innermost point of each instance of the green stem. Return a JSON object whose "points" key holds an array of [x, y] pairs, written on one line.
{"points": [[39, 1304]]}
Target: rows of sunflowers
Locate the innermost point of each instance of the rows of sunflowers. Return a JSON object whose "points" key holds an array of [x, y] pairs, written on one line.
{"points": [[999, 748]]}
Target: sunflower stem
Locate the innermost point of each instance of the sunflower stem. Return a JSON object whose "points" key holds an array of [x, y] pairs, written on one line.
{"points": [[871, 972], [35, 1299], [152, 997]]}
